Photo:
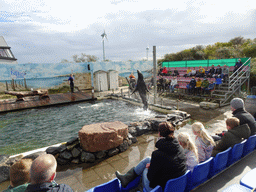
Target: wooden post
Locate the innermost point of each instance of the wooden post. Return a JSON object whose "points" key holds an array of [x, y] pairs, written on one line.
{"points": [[25, 84], [13, 86], [121, 92], [6, 85]]}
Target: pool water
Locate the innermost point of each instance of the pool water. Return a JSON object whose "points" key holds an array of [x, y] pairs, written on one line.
{"points": [[35, 128]]}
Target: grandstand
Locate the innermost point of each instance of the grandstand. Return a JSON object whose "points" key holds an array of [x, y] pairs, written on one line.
{"points": [[225, 90]]}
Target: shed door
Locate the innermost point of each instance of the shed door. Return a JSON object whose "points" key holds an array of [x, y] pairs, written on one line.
{"points": [[113, 80], [103, 82]]}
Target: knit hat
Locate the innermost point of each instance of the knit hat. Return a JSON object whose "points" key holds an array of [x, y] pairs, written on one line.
{"points": [[165, 129], [237, 103]]}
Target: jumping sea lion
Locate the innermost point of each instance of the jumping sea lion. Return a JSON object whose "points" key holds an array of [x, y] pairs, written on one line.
{"points": [[142, 89]]}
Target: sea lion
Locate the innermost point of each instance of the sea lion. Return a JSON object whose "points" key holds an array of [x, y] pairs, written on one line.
{"points": [[142, 89]]}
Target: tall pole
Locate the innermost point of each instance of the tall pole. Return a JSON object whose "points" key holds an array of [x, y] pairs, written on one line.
{"points": [[104, 35], [147, 52], [154, 71], [103, 50]]}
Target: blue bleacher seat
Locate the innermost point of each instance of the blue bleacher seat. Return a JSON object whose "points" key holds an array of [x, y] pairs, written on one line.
{"points": [[111, 186], [133, 184], [249, 179], [236, 152], [218, 81], [158, 188], [219, 163], [199, 174], [249, 145], [236, 188], [178, 184]]}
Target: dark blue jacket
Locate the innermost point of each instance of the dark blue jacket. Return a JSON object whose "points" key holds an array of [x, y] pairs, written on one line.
{"points": [[211, 86], [218, 71], [47, 187], [192, 83], [212, 71], [238, 64]]}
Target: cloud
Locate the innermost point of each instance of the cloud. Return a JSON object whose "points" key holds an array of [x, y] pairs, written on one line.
{"points": [[42, 31]]}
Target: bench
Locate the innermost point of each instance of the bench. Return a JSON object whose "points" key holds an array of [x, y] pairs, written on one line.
{"points": [[43, 93]]}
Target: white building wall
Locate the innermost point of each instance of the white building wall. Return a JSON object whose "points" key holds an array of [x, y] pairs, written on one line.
{"points": [[100, 81], [112, 79]]}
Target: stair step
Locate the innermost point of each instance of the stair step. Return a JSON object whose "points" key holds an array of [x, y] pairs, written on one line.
{"points": [[217, 95], [222, 91]]}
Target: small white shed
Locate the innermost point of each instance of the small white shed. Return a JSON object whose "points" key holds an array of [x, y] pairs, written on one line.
{"points": [[112, 79], [100, 79]]}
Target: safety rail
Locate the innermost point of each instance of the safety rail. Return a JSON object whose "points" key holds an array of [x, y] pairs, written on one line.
{"points": [[236, 80]]}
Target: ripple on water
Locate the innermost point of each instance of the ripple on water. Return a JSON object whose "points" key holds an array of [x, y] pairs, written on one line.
{"points": [[35, 128]]}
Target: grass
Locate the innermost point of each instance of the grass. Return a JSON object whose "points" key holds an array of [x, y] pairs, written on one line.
{"points": [[64, 89], [6, 96]]}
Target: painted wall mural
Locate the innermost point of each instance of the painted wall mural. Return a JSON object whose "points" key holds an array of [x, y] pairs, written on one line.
{"points": [[52, 75]]}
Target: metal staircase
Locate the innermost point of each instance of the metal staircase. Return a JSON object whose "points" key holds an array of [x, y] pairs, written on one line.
{"points": [[226, 90]]}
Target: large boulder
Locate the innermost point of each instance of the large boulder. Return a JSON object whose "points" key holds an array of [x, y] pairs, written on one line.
{"points": [[209, 105], [102, 136]]}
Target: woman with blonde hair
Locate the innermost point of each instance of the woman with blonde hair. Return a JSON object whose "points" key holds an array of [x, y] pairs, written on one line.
{"points": [[190, 150], [204, 141]]}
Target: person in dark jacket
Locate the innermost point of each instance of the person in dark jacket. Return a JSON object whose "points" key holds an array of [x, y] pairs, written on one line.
{"points": [[71, 81], [175, 72], [237, 106], [218, 72], [42, 174], [236, 133], [238, 65], [167, 162], [192, 85], [211, 72]]}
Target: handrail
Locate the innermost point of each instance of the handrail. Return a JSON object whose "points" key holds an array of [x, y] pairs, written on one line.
{"points": [[241, 66], [236, 80], [226, 98]]}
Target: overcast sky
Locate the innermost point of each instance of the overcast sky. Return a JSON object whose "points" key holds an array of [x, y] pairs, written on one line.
{"points": [[47, 31]]}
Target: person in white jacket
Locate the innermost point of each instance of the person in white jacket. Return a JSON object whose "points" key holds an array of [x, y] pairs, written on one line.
{"points": [[190, 150], [173, 84]]}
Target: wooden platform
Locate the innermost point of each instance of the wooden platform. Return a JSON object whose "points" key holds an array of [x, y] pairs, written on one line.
{"points": [[53, 100]]}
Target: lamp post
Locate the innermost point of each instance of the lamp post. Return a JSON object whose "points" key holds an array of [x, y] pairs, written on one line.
{"points": [[104, 35], [147, 52]]}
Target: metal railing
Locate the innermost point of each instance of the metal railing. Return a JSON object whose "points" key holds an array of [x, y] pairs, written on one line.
{"points": [[236, 80]]}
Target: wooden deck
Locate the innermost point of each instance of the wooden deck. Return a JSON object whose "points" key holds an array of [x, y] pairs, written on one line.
{"points": [[53, 100]]}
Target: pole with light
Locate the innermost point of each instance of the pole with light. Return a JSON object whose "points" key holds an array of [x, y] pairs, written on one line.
{"points": [[104, 35]]}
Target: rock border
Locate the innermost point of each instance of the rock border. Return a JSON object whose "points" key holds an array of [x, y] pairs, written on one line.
{"points": [[70, 152]]}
